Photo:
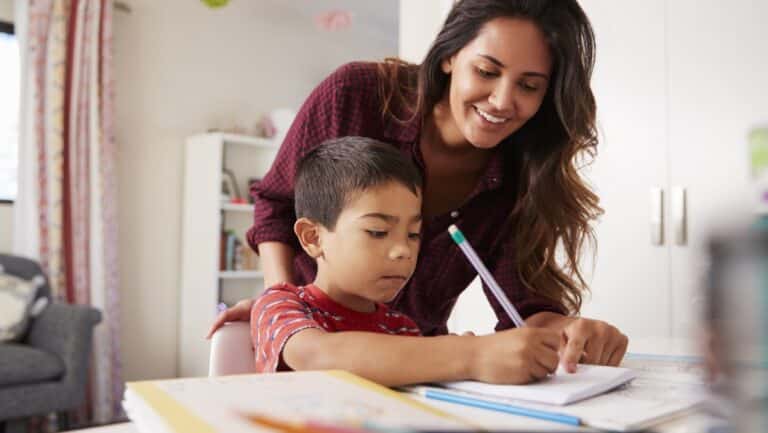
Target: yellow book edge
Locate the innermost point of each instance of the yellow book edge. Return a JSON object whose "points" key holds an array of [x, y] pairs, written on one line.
{"points": [[381, 389], [178, 416]]}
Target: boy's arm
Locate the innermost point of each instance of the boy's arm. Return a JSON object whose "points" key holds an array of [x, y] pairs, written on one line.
{"points": [[515, 356]]}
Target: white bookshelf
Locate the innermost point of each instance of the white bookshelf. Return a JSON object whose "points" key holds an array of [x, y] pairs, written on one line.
{"points": [[203, 286], [237, 207], [244, 140], [240, 275]]}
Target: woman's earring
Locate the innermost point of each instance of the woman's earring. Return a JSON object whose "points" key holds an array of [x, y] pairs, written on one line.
{"points": [[446, 66]]}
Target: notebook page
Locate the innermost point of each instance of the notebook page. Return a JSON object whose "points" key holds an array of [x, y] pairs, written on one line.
{"points": [[217, 404], [558, 389], [665, 387]]}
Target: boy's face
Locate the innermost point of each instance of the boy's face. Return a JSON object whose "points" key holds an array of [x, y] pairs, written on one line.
{"points": [[372, 251]]}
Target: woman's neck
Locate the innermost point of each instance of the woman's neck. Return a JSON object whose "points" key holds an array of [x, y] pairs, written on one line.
{"points": [[445, 148]]}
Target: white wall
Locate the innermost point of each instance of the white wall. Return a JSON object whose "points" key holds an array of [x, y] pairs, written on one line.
{"points": [[6, 227], [6, 210], [6, 10], [180, 69], [420, 20]]}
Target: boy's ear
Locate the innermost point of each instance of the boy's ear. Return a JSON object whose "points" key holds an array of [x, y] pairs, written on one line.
{"points": [[308, 233]]}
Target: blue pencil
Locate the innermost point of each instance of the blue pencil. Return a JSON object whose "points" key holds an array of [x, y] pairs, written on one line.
{"points": [[452, 397]]}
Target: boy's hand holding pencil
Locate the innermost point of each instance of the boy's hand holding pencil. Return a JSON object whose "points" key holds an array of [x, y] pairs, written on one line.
{"points": [[516, 356]]}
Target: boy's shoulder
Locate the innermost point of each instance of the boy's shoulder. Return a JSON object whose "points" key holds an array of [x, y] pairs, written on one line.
{"points": [[286, 295], [282, 290], [282, 286]]}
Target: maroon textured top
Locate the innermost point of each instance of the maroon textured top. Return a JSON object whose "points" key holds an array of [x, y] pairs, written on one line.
{"points": [[348, 103]]}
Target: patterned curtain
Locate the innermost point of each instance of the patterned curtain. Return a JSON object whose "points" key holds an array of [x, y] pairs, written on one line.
{"points": [[67, 168]]}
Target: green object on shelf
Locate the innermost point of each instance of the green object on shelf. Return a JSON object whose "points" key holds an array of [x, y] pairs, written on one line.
{"points": [[761, 224], [758, 151], [214, 4]]}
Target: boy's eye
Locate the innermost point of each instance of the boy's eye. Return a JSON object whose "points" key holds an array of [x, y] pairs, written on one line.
{"points": [[377, 234], [414, 236]]}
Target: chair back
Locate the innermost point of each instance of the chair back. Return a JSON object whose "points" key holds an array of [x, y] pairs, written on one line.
{"points": [[231, 350]]}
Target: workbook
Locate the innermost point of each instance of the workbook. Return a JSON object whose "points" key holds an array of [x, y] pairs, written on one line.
{"points": [[665, 387], [559, 389], [228, 404]]}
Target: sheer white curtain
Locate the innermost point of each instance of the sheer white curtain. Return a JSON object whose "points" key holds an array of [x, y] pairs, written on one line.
{"points": [[26, 241]]}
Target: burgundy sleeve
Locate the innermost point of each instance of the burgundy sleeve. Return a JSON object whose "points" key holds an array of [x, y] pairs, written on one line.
{"points": [[331, 110], [525, 301]]}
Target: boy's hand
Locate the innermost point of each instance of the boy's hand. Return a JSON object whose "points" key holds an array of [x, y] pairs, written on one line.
{"points": [[516, 356]]}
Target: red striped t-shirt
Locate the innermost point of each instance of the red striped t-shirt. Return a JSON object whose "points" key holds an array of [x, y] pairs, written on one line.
{"points": [[285, 309]]}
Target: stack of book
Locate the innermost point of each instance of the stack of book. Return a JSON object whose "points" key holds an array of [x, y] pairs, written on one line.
{"points": [[280, 402], [235, 254]]}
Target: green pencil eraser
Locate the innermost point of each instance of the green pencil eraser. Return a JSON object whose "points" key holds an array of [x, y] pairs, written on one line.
{"points": [[456, 234]]}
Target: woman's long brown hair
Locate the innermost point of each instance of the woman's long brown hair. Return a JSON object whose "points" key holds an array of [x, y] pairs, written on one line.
{"points": [[554, 205]]}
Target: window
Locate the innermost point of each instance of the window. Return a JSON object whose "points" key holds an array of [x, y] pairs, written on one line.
{"points": [[10, 85]]}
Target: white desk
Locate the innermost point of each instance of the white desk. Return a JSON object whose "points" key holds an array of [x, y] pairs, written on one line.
{"points": [[492, 420], [501, 421], [125, 427]]}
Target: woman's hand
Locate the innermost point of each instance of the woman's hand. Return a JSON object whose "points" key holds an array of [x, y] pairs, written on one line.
{"points": [[515, 356], [591, 342], [276, 259], [240, 312]]}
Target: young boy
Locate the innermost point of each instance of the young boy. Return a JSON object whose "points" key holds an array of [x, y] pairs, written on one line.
{"points": [[358, 209]]}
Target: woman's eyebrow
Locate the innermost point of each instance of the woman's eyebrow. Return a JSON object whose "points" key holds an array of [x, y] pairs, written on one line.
{"points": [[492, 59], [498, 63]]}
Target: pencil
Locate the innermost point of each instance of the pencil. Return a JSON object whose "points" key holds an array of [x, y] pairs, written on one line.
{"points": [[454, 397], [485, 275], [298, 427]]}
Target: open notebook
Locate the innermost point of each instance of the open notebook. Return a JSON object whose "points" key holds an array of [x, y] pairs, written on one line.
{"points": [[665, 387], [560, 388]]}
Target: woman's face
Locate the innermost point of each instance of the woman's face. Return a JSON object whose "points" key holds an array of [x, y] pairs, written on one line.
{"points": [[498, 82]]}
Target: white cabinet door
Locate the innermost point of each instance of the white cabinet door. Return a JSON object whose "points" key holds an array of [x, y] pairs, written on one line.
{"points": [[718, 90], [420, 21], [630, 279]]}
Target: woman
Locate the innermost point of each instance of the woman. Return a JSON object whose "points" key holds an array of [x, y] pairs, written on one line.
{"points": [[496, 117]]}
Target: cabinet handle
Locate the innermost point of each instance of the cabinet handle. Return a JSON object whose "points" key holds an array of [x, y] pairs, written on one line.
{"points": [[657, 216], [679, 215]]}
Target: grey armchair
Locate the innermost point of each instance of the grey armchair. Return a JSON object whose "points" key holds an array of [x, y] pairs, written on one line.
{"points": [[46, 372]]}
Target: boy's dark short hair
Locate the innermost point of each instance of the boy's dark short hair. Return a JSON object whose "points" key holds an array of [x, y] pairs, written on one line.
{"points": [[327, 176]]}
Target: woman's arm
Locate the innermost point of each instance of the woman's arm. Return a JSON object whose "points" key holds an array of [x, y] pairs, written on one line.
{"points": [[277, 263], [514, 356], [325, 114], [583, 340]]}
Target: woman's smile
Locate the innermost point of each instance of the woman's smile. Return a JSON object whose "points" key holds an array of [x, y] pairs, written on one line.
{"points": [[490, 118]]}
